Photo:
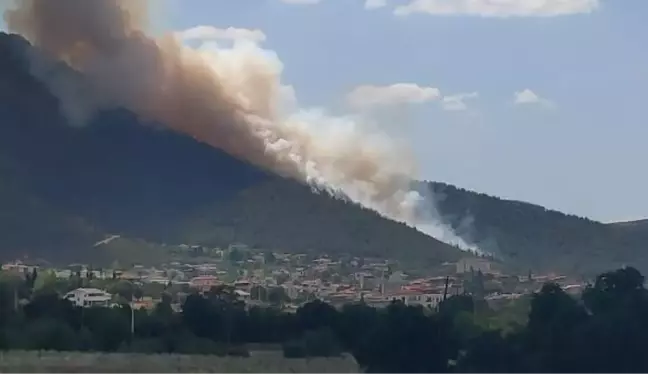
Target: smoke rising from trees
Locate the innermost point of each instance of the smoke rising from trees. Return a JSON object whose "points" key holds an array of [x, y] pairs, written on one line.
{"points": [[230, 98]]}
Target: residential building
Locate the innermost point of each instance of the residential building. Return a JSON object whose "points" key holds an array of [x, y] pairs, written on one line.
{"points": [[18, 267], [417, 298], [146, 302], [242, 295], [204, 282], [88, 297], [243, 284], [407, 297]]}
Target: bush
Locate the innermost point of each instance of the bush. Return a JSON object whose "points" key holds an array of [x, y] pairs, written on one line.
{"points": [[321, 343], [238, 351], [294, 349]]}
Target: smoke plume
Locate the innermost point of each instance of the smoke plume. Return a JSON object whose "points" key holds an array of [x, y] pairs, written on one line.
{"points": [[230, 98]]}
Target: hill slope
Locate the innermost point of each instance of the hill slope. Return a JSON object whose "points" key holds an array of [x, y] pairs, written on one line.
{"points": [[63, 188], [532, 236], [119, 176]]}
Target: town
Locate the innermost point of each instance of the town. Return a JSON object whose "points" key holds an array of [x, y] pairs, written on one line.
{"points": [[286, 281]]}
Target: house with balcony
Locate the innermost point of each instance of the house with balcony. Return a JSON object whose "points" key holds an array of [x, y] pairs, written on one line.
{"points": [[89, 297]]}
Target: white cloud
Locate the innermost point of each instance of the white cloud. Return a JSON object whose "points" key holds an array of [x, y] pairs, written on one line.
{"points": [[457, 102], [528, 97], [499, 8], [375, 4], [301, 2], [400, 93], [205, 33]]}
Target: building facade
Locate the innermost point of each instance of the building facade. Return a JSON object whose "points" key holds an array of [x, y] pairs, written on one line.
{"points": [[89, 297]]}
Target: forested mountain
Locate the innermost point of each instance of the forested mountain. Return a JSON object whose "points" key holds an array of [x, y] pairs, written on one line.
{"points": [[531, 235], [62, 188]]}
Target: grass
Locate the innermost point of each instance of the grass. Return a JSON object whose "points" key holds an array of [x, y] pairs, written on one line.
{"points": [[78, 362]]}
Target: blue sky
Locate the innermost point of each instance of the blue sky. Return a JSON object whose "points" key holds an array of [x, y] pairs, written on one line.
{"points": [[578, 146], [584, 155]]}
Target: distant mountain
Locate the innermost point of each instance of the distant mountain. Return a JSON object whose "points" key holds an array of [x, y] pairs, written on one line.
{"points": [[639, 224], [535, 237], [64, 188]]}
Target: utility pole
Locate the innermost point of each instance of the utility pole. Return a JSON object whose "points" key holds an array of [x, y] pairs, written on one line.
{"points": [[132, 324]]}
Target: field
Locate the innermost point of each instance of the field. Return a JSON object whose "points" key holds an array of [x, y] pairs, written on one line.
{"points": [[78, 362]]}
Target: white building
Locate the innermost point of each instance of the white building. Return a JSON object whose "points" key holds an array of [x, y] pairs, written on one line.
{"points": [[63, 274], [18, 267], [242, 295], [87, 297], [428, 300]]}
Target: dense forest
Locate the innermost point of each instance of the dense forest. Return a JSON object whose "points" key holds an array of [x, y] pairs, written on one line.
{"points": [[601, 331], [62, 188], [524, 234]]}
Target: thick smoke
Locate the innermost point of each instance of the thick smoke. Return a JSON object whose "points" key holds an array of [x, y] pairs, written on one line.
{"points": [[229, 98]]}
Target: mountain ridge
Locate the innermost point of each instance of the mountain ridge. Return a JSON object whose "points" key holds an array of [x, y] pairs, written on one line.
{"points": [[530, 235], [64, 188], [143, 181]]}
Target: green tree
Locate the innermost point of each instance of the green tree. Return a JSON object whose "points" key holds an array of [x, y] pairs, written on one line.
{"points": [[48, 280], [277, 296], [124, 289], [235, 255], [269, 257], [321, 343], [614, 288], [30, 278]]}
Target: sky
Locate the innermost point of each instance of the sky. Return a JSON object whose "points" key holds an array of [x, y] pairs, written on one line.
{"points": [[536, 100]]}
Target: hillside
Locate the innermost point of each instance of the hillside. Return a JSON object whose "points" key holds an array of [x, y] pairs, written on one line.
{"points": [[532, 236], [301, 220], [641, 224], [29, 225], [62, 188]]}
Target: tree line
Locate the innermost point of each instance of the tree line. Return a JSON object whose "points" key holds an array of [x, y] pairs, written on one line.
{"points": [[600, 331]]}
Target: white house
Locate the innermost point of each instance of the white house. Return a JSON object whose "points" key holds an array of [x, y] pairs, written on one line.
{"points": [[87, 297], [242, 295], [429, 300], [18, 267]]}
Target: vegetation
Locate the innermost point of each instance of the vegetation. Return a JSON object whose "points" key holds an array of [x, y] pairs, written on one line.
{"points": [[100, 362], [284, 215], [601, 331], [532, 236], [29, 225]]}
